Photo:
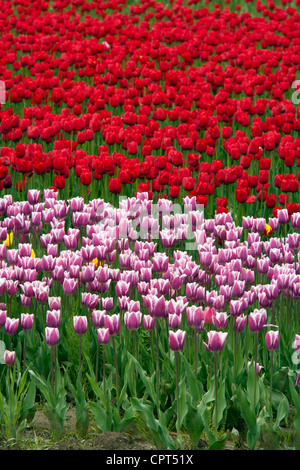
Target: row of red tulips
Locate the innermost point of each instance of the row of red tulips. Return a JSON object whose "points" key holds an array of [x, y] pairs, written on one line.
{"points": [[173, 101]]}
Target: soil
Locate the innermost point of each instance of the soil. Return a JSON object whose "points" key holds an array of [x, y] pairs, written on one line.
{"points": [[37, 436]]}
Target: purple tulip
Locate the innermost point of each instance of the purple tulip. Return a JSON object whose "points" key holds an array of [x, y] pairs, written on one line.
{"points": [[296, 343], [158, 306], [283, 216], [257, 319], [107, 303], [74, 271], [98, 318], [177, 306], [11, 325], [295, 220], [12, 256], [176, 340], [3, 316], [41, 292], [216, 340], [160, 262], [194, 316], [89, 300], [122, 288], [220, 320], [51, 336], [174, 320], [112, 322], [3, 234], [258, 367], [148, 322], [24, 249], [240, 323], [87, 273], [25, 301], [12, 287], [272, 340], [133, 320], [53, 318], [80, 324], [103, 335], [88, 253], [70, 286], [10, 357], [102, 274], [27, 321], [123, 302], [54, 303], [33, 196], [71, 242], [76, 204]]}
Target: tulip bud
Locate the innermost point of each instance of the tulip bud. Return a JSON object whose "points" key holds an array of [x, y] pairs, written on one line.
{"points": [[10, 357], [176, 340]]}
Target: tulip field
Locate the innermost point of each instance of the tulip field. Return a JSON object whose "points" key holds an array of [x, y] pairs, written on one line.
{"points": [[150, 221]]}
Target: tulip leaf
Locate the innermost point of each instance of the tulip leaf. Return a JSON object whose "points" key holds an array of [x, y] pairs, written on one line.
{"points": [[222, 404], [157, 427], [191, 380], [296, 400], [252, 386], [193, 421], [218, 445], [282, 412]]}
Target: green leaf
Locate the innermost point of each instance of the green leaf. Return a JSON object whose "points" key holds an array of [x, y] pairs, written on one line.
{"points": [[100, 416], [29, 405], [82, 419], [222, 404], [296, 401], [148, 383], [191, 380], [193, 422], [218, 445], [157, 428], [128, 418], [282, 412], [246, 409], [252, 386], [183, 408]]}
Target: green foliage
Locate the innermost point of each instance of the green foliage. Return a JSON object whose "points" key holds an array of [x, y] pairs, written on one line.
{"points": [[18, 406], [55, 406]]}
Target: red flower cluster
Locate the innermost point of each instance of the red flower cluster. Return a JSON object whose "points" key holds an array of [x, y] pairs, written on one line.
{"points": [[180, 100]]}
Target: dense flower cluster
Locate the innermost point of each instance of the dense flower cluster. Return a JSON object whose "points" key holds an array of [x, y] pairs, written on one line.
{"points": [[171, 100]]}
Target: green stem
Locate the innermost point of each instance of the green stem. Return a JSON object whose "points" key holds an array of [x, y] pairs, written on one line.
{"points": [[196, 354], [97, 361], [52, 368], [24, 356], [255, 362], [80, 340], [157, 362], [177, 391], [271, 383], [104, 372], [216, 393], [116, 366]]}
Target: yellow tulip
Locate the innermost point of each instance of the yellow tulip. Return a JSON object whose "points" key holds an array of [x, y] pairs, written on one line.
{"points": [[9, 240], [268, 230], [33, 253]]}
